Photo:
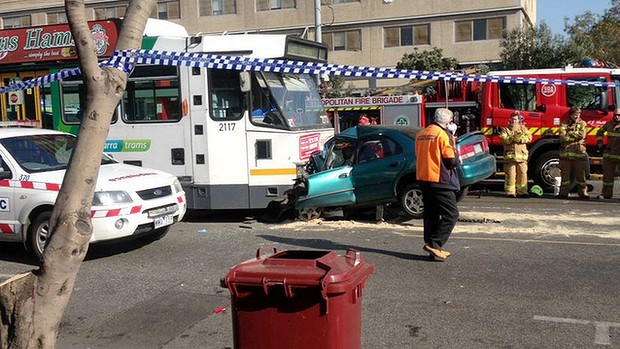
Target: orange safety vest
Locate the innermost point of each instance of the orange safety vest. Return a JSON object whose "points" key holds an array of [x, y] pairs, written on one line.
{"points": [[436, 157]]}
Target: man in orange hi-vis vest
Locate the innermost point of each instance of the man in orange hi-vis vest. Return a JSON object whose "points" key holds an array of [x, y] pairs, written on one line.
{"points": [[436, 161]]}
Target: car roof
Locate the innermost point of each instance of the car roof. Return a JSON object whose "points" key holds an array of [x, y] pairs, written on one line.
{"points": [[7, 132]]}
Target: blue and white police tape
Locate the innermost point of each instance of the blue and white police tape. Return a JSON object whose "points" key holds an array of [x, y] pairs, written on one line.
{"points": [[315, 68], [125, 60], [63, 74]]}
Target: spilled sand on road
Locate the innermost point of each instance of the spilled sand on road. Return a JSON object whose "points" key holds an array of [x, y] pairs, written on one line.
{"points": [[568, 224]]}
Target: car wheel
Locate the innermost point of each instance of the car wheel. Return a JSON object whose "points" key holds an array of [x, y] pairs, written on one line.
{"points": [[411, 201], [309, 213], [38, 234]]}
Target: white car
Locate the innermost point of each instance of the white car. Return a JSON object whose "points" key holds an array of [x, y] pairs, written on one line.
{"points": [[129, 200]]}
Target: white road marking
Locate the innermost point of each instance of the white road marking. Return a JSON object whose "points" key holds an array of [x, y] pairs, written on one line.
{"points": [[601, 333]]}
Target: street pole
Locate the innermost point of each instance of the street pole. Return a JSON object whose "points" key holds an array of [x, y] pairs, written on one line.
{"points": [[317, 30], [317, 21]]}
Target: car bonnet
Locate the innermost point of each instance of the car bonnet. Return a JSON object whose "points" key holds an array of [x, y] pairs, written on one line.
{"points": [[121, 176], [113, 177]]}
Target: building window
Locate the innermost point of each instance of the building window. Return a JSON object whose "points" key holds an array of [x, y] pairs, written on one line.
{"points": [[407, 36], [56, 18], [337, 2], [479, 29], [16, 22], [102, 13], [350, 40], [217, 7], [266, 5], [169, 10]]}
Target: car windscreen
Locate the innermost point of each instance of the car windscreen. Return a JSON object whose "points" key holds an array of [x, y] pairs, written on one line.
{"points": [[341, 152], [38, 153]]}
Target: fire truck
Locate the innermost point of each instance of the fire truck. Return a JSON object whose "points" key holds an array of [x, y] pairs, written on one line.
{"points": [[544, 105], [403, 110]]}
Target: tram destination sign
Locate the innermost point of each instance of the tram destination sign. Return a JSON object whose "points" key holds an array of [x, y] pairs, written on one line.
{"points": [[53, 42]]}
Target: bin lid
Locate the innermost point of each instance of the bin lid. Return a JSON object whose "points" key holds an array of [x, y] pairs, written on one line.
{"points": [[302, 268]]}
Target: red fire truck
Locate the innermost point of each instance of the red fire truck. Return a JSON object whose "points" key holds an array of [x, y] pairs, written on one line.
{"points": [[544, 106], [404, 110]]}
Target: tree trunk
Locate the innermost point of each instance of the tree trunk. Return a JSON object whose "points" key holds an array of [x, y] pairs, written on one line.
{"points": [[32, 304]]}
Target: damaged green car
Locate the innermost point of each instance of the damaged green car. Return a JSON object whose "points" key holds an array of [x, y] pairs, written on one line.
{"points": [[367, 166]]}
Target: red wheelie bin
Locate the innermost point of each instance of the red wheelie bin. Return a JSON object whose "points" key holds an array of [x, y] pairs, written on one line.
{"points": [[302, 299]]}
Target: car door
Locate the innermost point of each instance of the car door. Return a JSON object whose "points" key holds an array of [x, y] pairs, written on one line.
{"points": [[333, 186], [380, 159]]}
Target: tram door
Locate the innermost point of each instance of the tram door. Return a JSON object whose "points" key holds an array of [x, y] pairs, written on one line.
{"points": [[24, 105]]}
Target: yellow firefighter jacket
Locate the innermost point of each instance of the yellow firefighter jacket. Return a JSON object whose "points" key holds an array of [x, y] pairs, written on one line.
{"points": [[612, 128], [572, 138], [515, 139]]}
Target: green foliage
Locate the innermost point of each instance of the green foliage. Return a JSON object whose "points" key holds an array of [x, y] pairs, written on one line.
{"points": [[614, 11], [596, 37], [427, 60], [333, 88], [532, 48], [587, 36]]}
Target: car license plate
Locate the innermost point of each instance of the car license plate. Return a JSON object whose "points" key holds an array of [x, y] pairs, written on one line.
{"points": [[477, 148], [163, 221]]}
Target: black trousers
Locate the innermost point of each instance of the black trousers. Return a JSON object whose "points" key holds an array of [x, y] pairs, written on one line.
{"points": [[440, 215]]}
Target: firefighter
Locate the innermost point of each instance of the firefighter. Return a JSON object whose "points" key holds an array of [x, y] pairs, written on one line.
{"points": [[611, 153], [515, 138], [363, 119], [573, 157]]}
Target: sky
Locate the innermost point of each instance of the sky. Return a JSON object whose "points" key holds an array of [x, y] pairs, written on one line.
{"points": [[554, 11]]}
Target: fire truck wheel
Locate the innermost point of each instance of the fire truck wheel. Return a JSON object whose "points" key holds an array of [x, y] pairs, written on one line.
{"points": [[38, 233], [411, 201], [545, 169]]}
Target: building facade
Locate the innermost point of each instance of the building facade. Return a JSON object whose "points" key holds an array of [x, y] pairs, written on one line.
{"points": [[374, 33]]}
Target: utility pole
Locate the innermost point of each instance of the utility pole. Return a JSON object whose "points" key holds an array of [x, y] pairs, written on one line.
{"points": [[317, 21], [317, 30]]}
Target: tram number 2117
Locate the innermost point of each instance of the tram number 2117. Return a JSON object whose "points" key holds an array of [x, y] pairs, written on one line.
{"points": [[227, 126]]}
